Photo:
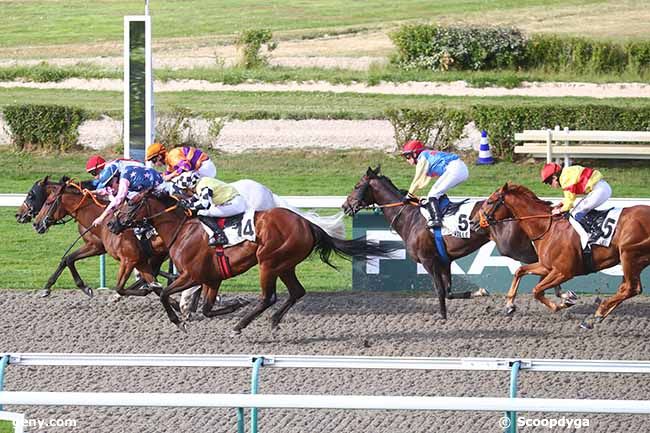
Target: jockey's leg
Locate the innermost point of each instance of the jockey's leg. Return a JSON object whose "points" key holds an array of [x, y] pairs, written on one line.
{"points": [[600, 193], [207, 169], [455, 174], [235, 206]]}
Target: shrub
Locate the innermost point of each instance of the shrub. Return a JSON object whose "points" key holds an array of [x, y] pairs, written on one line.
{"points": [[464, 48], [175, 128], [250, 42], [47, 127], [502, 122]]}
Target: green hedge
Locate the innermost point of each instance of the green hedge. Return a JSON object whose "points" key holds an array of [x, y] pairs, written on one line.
{"points": [[480, 48], [503, 122], [424, 46], [46, 127]]}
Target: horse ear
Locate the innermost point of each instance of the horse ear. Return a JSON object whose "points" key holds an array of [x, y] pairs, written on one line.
{"points": [[378, 169], [64, 179], [45, 179], [505, 186], [369, 172]]}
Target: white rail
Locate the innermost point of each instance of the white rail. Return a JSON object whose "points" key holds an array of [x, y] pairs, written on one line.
{"points": [[367, 402], [342, 362]]}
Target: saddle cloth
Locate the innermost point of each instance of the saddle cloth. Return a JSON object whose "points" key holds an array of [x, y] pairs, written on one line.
{"points": [[238, 228], [606, 219], [456, 217]]}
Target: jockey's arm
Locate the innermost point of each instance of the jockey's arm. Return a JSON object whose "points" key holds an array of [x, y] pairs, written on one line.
{"points": [[568, 201], [203, 199], [122, 191], [420, 179]]}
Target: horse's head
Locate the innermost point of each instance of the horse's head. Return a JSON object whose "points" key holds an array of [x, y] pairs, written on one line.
{"points": [[51, 211], [132, 213], [33, 202], [372, 188], [503, 203]]}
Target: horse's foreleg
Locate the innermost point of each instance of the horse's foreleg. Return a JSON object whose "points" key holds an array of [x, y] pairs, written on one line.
{"points": [[211, 297], [187, 297], [533, 268], [552, 279], [124, 272], [86, 250], [184, 281], [296, 291]]}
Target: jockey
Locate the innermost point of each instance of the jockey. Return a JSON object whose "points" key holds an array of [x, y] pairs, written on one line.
{"points": [[118, 184], [181, 159], [575, 180], [430, 163], [96, 164], [212, 198]]}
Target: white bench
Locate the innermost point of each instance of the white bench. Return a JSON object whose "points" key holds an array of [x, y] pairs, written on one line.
{"points": [[584, 144]]}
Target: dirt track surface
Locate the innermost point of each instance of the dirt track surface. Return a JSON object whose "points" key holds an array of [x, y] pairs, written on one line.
{"points": [[349, 323]]}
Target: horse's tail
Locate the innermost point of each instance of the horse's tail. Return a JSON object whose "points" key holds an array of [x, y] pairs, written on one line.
{"points": [[332, 225], [325, 245]]}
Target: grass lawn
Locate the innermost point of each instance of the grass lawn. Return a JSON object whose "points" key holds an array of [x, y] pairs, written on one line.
{"points": [[42, 22], [6, 427], [284, 105], [27, 259]]}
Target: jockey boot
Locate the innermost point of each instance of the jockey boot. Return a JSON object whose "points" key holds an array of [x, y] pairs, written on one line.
{"points": [[436, 216], [218, 237], [595, 233]]}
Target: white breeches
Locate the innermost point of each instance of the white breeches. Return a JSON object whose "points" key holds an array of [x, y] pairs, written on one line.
{"points": [[257, 196], [233, 207], [207, 169], [455, 173], [600, 193]]}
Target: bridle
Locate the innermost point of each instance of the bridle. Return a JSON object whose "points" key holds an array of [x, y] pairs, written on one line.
{"points": [[359, 193], [487, 219]]}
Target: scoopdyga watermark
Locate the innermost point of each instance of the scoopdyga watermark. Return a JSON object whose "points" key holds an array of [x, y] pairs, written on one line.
{"points": [[559, 423]]}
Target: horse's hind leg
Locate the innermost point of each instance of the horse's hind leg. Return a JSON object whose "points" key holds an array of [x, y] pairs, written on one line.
{"points": [[126, 268], [184, 281], [227, 307], [296, 291], [630, 287], [268, 282]]}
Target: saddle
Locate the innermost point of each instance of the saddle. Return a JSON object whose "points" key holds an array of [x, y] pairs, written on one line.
{"points": [[594, 219], [448, 207]]}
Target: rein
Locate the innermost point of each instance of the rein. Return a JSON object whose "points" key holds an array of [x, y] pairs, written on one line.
{"points": [[486, 220]]}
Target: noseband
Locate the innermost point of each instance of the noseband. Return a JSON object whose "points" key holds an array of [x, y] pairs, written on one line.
{"points": [[487, 219]]}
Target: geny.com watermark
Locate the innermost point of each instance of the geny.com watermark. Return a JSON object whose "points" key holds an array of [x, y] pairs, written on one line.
{"points": [[562, 422], [32, 423]]}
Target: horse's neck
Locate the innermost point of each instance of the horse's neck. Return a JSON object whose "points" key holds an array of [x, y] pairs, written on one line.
{"points": [[84, 214], [523, 208], [168, 225]]}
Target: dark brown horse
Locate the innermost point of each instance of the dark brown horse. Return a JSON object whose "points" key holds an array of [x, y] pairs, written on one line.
{"points": [[560, 250], [283, 240], [69, 199], [374, 188]]}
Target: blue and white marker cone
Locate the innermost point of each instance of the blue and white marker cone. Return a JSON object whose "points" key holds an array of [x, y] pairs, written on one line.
{"points": [[484, 154]]}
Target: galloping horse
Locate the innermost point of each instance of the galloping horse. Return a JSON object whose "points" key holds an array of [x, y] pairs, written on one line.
{"points": [[408, 222], [559, 248], [283, 240], [68, 198]]}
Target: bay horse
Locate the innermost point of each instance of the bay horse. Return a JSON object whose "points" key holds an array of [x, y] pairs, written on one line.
{"points": [[283, 240], [405, 218], [560, 251], [70, 199]]}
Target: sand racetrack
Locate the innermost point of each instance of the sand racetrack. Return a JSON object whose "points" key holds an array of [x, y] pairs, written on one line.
{"points": [[347, 323]]}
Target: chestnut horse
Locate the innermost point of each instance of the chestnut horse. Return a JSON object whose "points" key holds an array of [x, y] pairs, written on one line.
{"points": [[406, 219], [560, 251], [69, 199], [283, 240]]}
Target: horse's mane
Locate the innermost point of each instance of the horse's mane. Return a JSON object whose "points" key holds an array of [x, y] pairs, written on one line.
{"points": [[527, 193]]}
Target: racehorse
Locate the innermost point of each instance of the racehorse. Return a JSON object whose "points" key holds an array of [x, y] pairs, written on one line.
{"points": [[283, 240], [560, 251], [69, 199], [406, 219]]}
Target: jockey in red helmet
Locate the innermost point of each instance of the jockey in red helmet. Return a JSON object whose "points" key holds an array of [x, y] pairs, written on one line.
{"points": [[95, 165], [577, 180], [428, 164]]}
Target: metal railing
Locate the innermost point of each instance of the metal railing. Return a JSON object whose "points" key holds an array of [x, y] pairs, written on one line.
{"points": [[366, 402]]}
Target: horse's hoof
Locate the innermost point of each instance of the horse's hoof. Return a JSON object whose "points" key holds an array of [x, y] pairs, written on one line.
{"points": [[116, 298], [510, 310], [569, 302], [235, 332], [599, 319], [182, 326], [44, 293], [88, 291], [586, 325], [572, 295], [480, 293], [242, 301]]}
